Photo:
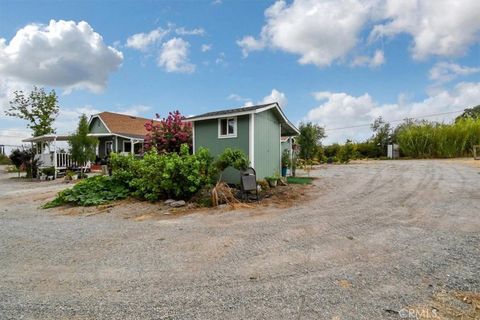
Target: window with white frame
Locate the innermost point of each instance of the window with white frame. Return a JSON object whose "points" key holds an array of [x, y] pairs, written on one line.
{"points": [[227, 127]]}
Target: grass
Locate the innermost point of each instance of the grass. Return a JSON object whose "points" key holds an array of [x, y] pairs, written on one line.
{"points": [[299, 180]]}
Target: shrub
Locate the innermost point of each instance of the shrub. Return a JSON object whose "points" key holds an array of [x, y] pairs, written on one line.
{"points": [[367, 149], [90, 192], [331, 150], [347, 152], [159, 176], [231, 158]]}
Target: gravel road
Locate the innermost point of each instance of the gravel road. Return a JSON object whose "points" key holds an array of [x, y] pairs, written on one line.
{"points": [[377, 238]]}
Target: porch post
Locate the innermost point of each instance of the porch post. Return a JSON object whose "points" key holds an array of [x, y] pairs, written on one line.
{"points": [[55, 157], [131, 146]]}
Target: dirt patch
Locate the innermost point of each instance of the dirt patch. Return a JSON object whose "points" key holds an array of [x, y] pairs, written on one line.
{"points": [[280, 197]]}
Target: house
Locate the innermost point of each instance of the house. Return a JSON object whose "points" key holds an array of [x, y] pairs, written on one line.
{"points": [[255, 130], [118, 133], [115, 132]]}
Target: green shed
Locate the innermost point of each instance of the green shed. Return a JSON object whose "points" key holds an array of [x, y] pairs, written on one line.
{"points": [[255, 130]]}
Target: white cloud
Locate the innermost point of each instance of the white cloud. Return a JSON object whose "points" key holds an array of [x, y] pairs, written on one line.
{"points": [[206, 47], [221, 59], [173, 56], [339, 110], [216, 2], [182, 31], [249, 44], [443, 72], [276, 96], [441, 27], [322, 32], [142, 41], [376, 60], [236, 97], [61, 54]]}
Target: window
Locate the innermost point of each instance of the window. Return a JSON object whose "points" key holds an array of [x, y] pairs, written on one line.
{"points": [[127, 146], [227, 128]]}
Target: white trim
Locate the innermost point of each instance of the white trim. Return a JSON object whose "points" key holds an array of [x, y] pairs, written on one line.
{"points": [[280, 146], [228, 135], [193, 137], [114, 134], [98, 116], [251, 140]]}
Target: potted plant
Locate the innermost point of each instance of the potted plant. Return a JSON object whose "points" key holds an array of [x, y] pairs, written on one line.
{"points": [[286, 162], [272, 181], [49, 172]]}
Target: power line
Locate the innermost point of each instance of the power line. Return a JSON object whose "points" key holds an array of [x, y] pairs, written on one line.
{"points": [[418, 117]]}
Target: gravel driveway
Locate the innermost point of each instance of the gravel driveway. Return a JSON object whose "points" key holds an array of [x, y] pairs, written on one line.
{"points": [[377, 238]]}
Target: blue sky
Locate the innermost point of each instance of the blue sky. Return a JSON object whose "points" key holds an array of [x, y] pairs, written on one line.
{"points": [[337, 63]]}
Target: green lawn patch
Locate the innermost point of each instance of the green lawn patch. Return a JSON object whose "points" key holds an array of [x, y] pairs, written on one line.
{"points": [[299, 180]]}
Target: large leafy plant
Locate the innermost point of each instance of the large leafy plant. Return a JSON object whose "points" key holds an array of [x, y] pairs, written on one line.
{"points": [[90, 192]]}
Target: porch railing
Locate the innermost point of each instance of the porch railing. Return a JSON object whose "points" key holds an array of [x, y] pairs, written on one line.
{"points": [[64, 160]]}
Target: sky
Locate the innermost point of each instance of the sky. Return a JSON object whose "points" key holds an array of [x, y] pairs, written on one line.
{"points": [[340, 63]]}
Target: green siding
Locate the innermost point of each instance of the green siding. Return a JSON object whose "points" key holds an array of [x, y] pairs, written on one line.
{"points": [[267, 144], [96, 126], [206, 135]]}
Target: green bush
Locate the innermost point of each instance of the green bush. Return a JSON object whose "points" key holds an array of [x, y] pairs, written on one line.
{"points": [[368, 149], [439, 140], [331, 150], [90, 192], [160, 176], [347, 152]]}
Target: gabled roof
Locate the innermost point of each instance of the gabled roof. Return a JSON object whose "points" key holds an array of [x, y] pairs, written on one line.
{"points": [[124, 125], [288, 129]]}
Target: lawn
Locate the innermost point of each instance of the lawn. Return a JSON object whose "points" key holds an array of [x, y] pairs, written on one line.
{"points": [[299, 180]]}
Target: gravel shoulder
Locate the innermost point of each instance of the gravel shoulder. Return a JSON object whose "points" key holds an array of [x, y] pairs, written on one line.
{"points": [[377, 238]]}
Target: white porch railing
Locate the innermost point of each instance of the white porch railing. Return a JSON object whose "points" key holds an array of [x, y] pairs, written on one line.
{"points": [[64, 160]]}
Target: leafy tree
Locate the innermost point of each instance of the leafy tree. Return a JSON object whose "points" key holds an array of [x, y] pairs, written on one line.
{"points": [[381, 135], [310, 139], [82, 146], [347, 152], [168, 134], [469, 113], [38, 108]]}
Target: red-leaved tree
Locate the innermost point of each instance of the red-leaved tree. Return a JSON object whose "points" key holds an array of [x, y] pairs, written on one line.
{"points": [[168, 134]]}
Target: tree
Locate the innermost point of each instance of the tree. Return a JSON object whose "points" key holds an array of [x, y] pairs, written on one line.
{"points": [[168, 134], [38, 108], [310, 139], [82, 146], [472, 113], [381, 135], [17, 159], [25, 158]]}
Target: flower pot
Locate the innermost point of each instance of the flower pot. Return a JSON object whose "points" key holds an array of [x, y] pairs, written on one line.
{"points": [[284, 171], [272, 183]]}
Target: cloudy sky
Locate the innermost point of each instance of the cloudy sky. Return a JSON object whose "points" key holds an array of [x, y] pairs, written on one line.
{"points": [[339, 63]]}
